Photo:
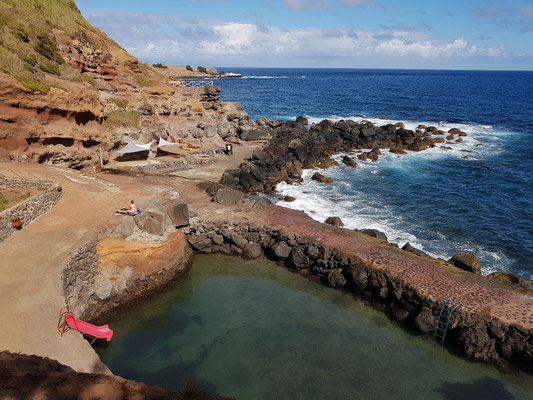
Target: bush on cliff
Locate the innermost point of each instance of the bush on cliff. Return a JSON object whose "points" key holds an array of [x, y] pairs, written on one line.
{"points": [[47, 47], [202, 70], [188, 68], [21, 34], [159, 65], [123, 118], [50, 69]]}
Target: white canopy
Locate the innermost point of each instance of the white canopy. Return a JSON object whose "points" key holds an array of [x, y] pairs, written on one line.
{"points": [[134, 148], [163, 142]]}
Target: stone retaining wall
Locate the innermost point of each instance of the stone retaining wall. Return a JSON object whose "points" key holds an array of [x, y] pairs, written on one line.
{"points": [[28, 210], [477, 337], [94, 293]]}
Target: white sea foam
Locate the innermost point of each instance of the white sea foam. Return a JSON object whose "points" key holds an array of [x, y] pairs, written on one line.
{"points": [[359, 210]]}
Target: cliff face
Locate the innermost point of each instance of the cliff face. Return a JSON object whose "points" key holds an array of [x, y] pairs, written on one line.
{"points": [[68, 93]]}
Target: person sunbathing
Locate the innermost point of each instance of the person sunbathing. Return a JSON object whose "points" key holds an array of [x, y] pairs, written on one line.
{"points": [[132, 210]]}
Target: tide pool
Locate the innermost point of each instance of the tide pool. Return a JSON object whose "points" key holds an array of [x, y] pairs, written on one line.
{"points": [[255, 330]]}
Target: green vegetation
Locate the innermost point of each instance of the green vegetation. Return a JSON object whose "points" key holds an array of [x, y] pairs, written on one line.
{"points": [[120, 103], [140, 79], [202, 69], [32, 60], [3, 203], [50, 69], [33, 84], [29, 67], [47, 47], [123, 118], [24, 196], [159, 65], [42, 188], [84, 79], [188, 68], [21, 34]]}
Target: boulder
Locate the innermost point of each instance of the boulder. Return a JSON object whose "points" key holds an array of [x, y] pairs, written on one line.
{"points": [[414, 250], [122, 230], [510, 278], [282, 250], [334, 221], [477, 343], [302, 121], [201, 243], [262, 203], [321, 178], [374, 233], [179, 214], [336, 279], [251, 251], [425, 320], [466, 261], [228, 196], [299, 258], [239, 241], [289, 199], [348, 161], [151, 222]]}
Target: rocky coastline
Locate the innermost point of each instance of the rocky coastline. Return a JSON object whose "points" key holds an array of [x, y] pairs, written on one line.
{"points": [[293, 146]]}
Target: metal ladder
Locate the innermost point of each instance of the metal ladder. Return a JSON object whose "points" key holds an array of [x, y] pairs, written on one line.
{"points": [[444, 319]]}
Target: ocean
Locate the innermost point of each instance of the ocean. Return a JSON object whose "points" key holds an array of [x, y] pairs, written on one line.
{"points": [[477, 197]]}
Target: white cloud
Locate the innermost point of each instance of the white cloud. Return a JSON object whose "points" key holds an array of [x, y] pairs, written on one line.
{"points": [[178, 39]]}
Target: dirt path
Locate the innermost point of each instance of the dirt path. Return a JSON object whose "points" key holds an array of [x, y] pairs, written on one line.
{"points": [[31, 292]]}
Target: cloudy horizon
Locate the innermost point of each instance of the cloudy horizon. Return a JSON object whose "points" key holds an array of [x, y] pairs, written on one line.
{"points": [[322, 33]]}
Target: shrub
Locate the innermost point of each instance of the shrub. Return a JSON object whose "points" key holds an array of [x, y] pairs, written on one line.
{"points": [[188, 68], [32, 60], [21, 34], [121, 103], [50, 69], [140, 79], [29, 67], [202, 69], [47, 47], [123, 118], [3, 203], [33, 84], [159, 65]]}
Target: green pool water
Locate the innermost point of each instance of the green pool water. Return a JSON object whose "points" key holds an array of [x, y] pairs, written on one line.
{"points": [[254, 330]]}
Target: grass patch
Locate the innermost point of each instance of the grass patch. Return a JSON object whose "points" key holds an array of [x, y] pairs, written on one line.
{"points": [[123, 118], [33, 84], [42, 188], [24, 196], [120, 103], [3, 203], [50, 69], [29, 67], [32, 60], [140, 79]]}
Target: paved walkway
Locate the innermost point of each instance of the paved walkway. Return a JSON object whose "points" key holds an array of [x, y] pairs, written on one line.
{"points": [[31, 263]]}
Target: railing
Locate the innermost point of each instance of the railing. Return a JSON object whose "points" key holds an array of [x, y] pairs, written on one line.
{"points": [[188, 83]]}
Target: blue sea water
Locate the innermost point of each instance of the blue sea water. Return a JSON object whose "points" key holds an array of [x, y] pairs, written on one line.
{"points": [[476, 198]]}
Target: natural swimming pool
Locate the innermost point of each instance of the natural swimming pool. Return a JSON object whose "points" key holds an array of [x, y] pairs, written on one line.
{"points": [[255, 330]]}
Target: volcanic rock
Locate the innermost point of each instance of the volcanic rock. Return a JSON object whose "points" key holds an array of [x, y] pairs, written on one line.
{"points": [[321, 178], [334, 221], [466, 261], [228, 196], [348, 161]]}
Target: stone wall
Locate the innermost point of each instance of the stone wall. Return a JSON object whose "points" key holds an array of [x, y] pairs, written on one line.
{"points": [[478, 337], [28, 210]]}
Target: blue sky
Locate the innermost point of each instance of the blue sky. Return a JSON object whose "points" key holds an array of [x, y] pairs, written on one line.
{"points": [[452, 34]]}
